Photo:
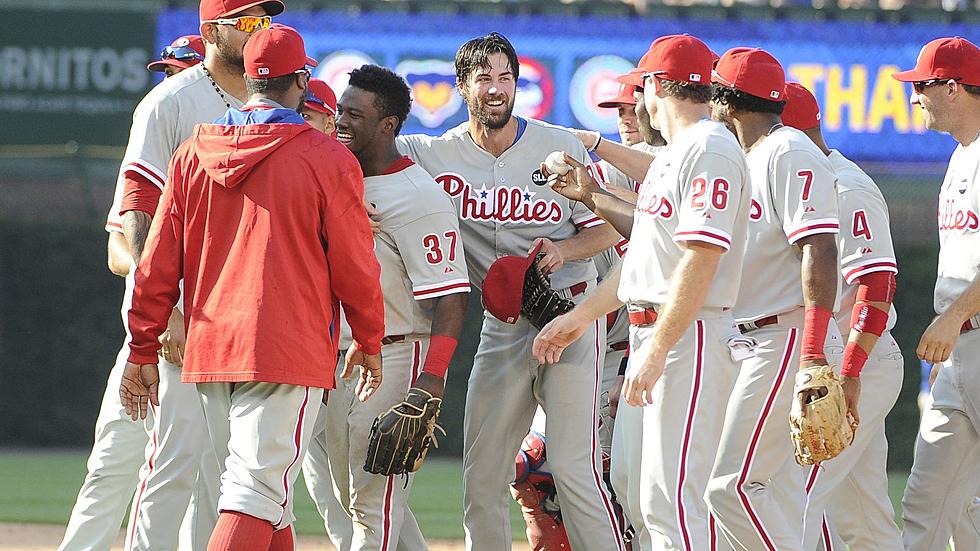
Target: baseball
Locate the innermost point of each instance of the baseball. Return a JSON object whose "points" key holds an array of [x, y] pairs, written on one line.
{"points": [[555, 163]]}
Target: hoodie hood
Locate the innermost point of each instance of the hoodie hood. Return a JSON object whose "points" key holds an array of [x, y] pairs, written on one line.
{"points": [[231, 148]]}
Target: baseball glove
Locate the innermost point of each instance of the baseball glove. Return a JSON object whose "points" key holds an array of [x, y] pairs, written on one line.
{"points": [[820, 426], [400, 437], [539, 302]]}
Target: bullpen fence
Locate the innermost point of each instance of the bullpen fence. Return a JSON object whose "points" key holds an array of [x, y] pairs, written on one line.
{"points": [[60, 327]]}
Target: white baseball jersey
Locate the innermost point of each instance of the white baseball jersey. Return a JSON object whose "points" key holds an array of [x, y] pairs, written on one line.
{"points": [[503, 202], [696, 190], [865, 238], [419, 248], [959, 226], [793, 196], [609, 175]]}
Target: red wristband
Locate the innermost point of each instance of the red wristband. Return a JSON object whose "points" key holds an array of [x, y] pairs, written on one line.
{"points": [[440, 353], [854, 359], [815, 323], [866, 318]]}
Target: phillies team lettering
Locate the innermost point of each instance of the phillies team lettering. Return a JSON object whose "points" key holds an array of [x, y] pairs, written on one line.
{"points": [[500, 203], [951, 218]]}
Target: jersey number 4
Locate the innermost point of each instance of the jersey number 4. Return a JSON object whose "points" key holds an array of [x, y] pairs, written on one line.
{"points": [[860, 228], [433, 247], [719, 193]]}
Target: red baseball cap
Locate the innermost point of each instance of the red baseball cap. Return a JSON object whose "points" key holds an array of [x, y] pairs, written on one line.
{"points": [[186, 51], [220, 9], [503, 288], [275, 52], [753, 71], [633, 78], [678, 57], [802, 110], [320, 97], [950, 58], [625, 96]]}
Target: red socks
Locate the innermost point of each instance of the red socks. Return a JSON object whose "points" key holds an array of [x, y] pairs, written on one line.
{"points": [[240, 532], [283, 540]]}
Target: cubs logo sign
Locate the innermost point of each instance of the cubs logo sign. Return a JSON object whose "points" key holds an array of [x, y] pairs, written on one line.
{"points": [[433, 84], [335, 68], [501, 203], [535, 89], [595, 81]]}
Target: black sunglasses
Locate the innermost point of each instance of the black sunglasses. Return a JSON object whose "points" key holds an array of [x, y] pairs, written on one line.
{"points": [[921, 85]]}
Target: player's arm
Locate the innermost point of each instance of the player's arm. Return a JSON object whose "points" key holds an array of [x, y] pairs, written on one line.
{"points": [[579, 185], [631, 162], [140, 200], [120, 259], [688, 289], [819, 276], [587, 243], [447, 323], [941, 336], [564, 330]]}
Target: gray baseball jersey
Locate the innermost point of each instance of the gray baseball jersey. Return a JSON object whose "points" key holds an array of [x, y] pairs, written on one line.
{"points": [[609, 175], [696, 190], [865, 238], [959, 226], [503, 203], [793, 196]]}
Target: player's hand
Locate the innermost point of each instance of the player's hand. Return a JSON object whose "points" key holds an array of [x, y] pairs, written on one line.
{"points": [[373, 214], [640, 380], [558, 335], [139, 388], [576, 184], [174, 339], [939, 339], [553, 259], [852, 393], [615, 391], [436, 386], [369, 377]]}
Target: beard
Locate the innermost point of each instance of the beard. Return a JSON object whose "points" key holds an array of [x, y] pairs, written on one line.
{"points": [[493, 121], [230, 55]]}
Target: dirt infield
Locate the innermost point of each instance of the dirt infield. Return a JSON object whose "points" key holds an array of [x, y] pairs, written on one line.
{"points": [[46, 537]]}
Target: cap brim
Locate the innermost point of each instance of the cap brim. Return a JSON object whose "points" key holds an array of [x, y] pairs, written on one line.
{"points": [[272, 8], [161, 65], [319, 108], [616, 102], [912, 76], [634, 79], [310, 62]]}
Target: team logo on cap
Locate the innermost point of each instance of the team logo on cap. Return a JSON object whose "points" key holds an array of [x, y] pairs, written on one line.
{"points": [[774, 94], [433, 84], [535, 89], [694, 77], [335, 68], [263, 71], [595, 81], [181, 42]]}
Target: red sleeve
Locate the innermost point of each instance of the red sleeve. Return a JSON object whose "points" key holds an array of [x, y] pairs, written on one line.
{"points": [[139, 193], [354, 270], [158, 275]]}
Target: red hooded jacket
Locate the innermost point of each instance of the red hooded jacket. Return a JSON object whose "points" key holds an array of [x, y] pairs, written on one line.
{"points": [[265, 225]]}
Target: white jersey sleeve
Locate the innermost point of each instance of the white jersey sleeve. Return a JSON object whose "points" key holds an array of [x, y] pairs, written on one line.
{"points": [[706, 211], [804, 195], [432, 249], [113, 221], [152, 138], [865, 241]]}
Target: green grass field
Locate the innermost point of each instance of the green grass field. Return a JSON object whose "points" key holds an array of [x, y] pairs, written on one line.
{"points": [[40, 487]]}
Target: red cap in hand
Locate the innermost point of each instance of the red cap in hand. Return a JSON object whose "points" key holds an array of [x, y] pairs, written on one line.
{"points": [[503, 288]]}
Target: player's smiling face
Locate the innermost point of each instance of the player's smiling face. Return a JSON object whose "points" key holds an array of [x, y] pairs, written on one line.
{"points": [[358, 119], [934, 102], [489, 92]]}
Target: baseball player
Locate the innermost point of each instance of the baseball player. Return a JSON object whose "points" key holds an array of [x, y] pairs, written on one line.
{"points": [[944, 478], [786, 302], [853, 488], [183, 53], [260, 353], [175, 435], [320, 107], [490, 166], [425, 286], [690, 223]]}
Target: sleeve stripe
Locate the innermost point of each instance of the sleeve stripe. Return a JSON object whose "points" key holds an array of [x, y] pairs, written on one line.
{"points": [[813, 229], [113, 227], [148, 171], [706, 236], [590, 222], [436, 286], [441, 291], [851, 275]]}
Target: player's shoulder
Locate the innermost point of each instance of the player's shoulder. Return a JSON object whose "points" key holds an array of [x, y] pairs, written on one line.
{"points": [[790, 144], [170, 91], [541, 130], [709, 138], [850, 177], [408, 195]]}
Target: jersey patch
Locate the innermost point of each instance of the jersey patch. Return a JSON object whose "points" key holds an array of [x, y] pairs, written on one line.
{"points": [[500, 203]]}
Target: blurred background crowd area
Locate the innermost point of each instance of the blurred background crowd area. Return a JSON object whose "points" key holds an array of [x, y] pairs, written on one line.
{"points": [[72, 71]]}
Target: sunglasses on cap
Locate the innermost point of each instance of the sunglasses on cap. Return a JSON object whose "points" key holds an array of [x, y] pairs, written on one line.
{"points": [[921, 85], [246, 23], [180, 53], [311, 98]]}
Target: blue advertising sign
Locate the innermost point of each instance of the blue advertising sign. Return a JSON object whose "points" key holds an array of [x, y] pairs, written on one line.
{"points": [[847, 65]]}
